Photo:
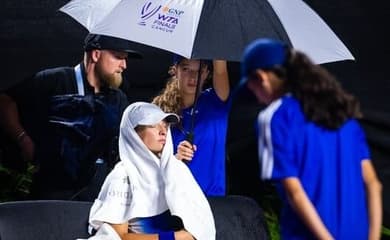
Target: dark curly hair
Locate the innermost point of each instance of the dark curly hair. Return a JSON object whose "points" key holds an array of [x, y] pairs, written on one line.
{"points": [[322, 98]]}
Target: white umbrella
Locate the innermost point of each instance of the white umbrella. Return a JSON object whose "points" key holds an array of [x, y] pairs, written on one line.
{"points": [[316, 38], [169, 25], [211, 29]]}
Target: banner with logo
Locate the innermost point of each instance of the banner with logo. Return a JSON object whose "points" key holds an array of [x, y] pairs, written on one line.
{"points": [[167, 24]]}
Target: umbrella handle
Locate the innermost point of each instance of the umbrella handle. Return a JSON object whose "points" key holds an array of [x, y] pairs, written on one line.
{"points": [[190, 139], [190, 136]]}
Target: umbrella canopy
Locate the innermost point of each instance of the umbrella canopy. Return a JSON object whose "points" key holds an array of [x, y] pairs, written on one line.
{"points": [[167, 24], [211, 29]]}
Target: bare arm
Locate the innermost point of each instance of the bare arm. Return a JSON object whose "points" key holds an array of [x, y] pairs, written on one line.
{"points": [[374, 199], [221, 79], [10, 117], [122, 230], [10, 123], [304, 208]]}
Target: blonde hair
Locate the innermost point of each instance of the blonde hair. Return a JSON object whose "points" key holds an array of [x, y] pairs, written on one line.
{"points": [[169, 99]]}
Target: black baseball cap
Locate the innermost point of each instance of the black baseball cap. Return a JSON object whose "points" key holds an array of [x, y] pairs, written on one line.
{"points": [[103, 42]]}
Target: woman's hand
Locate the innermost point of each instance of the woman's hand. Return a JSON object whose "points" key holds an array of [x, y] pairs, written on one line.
{"points": [[185, 151], [183, 235]]}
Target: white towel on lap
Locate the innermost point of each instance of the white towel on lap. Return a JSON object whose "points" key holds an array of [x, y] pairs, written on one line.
{"points": [[105, 232]]}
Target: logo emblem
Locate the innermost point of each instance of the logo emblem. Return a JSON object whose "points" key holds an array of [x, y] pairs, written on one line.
{"points": [[147, 12]]}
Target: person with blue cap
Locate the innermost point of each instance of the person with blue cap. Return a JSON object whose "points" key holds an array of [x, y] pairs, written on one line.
{"points": [[200, 137], [25, 110], [311, 145]]}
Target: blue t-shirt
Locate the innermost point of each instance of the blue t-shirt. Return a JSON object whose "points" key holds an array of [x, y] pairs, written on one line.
{"points": [[210, 127], [327, 163]]}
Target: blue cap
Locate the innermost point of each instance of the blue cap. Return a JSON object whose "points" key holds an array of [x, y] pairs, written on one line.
{"points": [[262, 53]]}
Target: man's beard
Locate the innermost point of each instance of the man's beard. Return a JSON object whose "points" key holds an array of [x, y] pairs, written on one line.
{"points": [[112, 80]]}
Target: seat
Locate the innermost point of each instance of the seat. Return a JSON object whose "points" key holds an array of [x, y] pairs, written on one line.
{"points": [[236, 217], [43, 220]]}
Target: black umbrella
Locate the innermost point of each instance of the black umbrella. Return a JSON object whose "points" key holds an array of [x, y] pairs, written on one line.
{"points": [[227, 26]]}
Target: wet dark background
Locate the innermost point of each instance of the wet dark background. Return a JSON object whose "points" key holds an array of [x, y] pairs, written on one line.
{"points": [[35, 35]]}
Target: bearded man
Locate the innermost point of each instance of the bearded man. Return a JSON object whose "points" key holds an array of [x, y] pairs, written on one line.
{"points": [[25, 108]]}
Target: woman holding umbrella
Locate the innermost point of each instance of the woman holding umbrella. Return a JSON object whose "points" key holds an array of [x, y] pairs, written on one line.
{"points": [[200, 138], [312, 146]]}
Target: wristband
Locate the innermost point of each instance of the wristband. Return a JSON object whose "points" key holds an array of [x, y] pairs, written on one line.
{"points": [[170, 235]]}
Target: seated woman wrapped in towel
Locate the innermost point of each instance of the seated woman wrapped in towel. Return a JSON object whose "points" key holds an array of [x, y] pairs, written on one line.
{"points": [[150, 194]]}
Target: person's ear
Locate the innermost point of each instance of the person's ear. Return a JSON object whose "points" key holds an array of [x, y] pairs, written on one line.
{"points": [[95, 55], [172, 70]]}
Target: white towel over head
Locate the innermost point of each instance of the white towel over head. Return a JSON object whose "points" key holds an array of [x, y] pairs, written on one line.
{"points": [[157, 184]]}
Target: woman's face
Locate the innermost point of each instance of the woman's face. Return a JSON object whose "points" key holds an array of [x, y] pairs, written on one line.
{"points": [[154, 136], [187, 74]]}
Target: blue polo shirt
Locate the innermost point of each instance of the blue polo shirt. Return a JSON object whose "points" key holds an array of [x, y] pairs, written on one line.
{"points": [[210, 127], [327, 163]]}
